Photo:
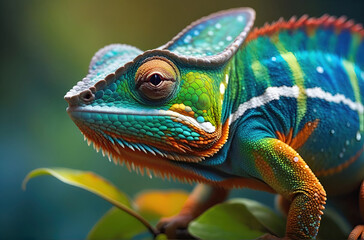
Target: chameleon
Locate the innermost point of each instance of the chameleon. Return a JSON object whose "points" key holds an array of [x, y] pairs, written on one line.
{"points": [[277, 108]]}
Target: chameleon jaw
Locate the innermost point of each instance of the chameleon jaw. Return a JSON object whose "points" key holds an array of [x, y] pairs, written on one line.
{"points": [[115, 148], [194, 149], [156, 164], [205, 126]]}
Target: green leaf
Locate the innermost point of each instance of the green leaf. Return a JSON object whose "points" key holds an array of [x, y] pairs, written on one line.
{"points": [[273, 222], [95, 184], [226, 221], [237, 219], [116, 224], [333, 226]]}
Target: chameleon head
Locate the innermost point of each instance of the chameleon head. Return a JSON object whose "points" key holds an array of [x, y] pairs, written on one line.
{"points": [[151, 106], [166, 102]]}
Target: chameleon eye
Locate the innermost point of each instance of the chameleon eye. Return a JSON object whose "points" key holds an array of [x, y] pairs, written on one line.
{"points": [[156, 78]]}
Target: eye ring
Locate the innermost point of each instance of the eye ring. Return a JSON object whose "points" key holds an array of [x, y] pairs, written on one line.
{"points": [[156, 78]]}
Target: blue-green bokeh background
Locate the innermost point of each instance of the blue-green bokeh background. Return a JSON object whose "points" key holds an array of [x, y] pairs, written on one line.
{"points": [[45, 49]]}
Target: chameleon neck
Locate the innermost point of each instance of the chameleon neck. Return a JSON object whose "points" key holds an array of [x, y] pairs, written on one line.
{"points": [[249, 80], [233, 78]]}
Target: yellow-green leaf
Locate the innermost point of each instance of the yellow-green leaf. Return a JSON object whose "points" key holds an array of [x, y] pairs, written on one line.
{"points": [[86, 180], [156, 204], [116, 224], [95, 184]]}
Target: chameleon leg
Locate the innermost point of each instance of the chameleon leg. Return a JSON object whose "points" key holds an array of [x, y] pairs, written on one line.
{"points": [[281, 167], [358, 231], [202, 197]]}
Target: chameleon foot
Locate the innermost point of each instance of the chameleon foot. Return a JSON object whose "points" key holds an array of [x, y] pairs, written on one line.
{"points": [[357, 233], [175, 227]]}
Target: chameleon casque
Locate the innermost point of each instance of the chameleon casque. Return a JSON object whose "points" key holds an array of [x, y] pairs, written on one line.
{"points": [[278, 109]]}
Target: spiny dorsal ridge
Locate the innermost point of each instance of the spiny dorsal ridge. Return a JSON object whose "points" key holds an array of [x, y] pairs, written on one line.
{"points": [[326, 21]]}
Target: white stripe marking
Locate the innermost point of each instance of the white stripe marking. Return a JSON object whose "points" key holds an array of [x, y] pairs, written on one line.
{"points": [[206, 126], [274, 93], [337, 98], [222, 88]]}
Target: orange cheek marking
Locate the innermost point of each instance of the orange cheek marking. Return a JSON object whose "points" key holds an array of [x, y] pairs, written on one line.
{"points": [[301, 137], [218, 139], [208, 143]]}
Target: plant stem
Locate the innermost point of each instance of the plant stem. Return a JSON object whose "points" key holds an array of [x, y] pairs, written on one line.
{"points": [[129, 211]]}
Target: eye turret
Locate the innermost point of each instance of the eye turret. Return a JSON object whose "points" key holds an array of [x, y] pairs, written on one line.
{"points": [[156, 79]]}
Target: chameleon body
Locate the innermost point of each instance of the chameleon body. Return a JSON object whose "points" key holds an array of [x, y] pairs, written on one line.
{"points": [[278, 109]]}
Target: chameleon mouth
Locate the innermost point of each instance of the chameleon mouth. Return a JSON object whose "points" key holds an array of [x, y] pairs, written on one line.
{"points": [[191, 142], [205, 126]]}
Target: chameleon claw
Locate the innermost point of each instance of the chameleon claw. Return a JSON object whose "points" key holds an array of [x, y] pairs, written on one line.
{"points": [[357, 233]]}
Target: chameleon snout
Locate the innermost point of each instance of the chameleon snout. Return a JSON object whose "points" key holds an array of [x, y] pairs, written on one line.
{"points": [[84, 97]]}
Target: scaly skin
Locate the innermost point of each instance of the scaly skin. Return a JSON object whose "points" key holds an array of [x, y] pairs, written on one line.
{"points": [[279, 109]]}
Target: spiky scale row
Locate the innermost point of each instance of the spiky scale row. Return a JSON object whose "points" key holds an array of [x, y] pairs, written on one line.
{"points": [[305, 21]]}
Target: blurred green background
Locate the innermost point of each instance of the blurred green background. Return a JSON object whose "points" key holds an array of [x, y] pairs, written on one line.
{"points": [[45, 49]]}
